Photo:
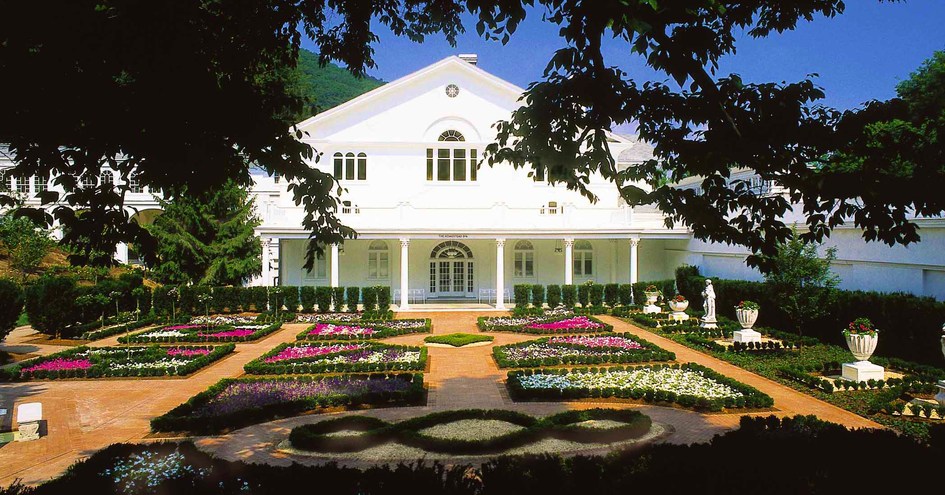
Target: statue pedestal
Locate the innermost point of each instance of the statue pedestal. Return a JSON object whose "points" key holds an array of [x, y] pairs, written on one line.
{"points": [[746, 336], [651, 308], [709, 323], [940, 397], [862, 371], [678, 316]]}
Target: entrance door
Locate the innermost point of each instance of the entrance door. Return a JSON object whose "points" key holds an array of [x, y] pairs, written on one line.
{"points": [[451, 270]]}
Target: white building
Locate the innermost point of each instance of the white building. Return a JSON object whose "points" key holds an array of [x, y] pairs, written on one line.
{"points": [[435, 228]]}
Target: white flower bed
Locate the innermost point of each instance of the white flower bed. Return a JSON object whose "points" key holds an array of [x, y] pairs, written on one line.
{"points": [[375, 356], [471, 429], [164, 333], [679, 381], [159, 364]]}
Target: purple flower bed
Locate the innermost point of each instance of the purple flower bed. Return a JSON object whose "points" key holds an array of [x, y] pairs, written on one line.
{"points": [[577, 322], [60, 364], [367, 329], [579, 349], [310, 351]]}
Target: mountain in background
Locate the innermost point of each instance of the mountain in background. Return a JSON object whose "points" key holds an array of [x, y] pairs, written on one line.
{"points": [[329, 86]]}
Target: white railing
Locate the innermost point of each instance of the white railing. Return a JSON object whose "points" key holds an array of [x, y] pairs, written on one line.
{"points": [[489, 295], [413, 296]]}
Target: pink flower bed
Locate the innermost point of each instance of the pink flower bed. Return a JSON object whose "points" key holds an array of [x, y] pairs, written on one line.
{"points": [[238, 332], [175, 351], [302, 352], [619, 342], [569, 324], [60, 364], [329, 329]]}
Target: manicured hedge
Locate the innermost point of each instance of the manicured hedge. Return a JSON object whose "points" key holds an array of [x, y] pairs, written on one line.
{"points": [[102, 368], [753, 398], [554, 296], [183, 419], [257, 334], [650, 352], [521, 294], [316, 364], [12, 296], [910, 326], [381, 327], [563, 426], [116, 329], [458, 339]]}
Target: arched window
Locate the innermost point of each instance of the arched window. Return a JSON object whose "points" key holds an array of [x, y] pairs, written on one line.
{"points": [[88, 180], [378, 260], [583, 259], [451, 249], [524, 265], [106, 178], [350, 167], [362, 166], [339, 166], [451, 135]]}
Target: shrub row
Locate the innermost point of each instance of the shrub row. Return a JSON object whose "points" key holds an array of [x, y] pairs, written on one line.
{"points": [[317, 437], [910, 325], [800, 376], [103, 368], [141, 337], [585, 295], [116, 329], [650, 352], [12, 296], [183, 418], [316, 364], [382, 330], [752, 397], [306, 299]]}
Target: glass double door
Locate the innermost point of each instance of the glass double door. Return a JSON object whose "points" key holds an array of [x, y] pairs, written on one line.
{"points": [[452, 278]]}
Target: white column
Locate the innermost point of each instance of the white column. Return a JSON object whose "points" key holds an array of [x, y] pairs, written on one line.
{"points": [[264, 277], [500, 273], [568, 261], [404, 278], [634, 260], [334, 265]]}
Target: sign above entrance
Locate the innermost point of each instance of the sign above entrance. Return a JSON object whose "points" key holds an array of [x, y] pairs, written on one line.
{"points": [[454, 236]]}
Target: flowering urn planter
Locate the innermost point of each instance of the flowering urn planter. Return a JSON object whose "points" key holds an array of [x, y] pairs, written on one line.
{"points": [[746, 317], [862, 345], [651, 306], [679, 310]]}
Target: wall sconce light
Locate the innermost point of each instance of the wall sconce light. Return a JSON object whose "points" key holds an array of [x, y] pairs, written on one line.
{"points": [[558, 248]]}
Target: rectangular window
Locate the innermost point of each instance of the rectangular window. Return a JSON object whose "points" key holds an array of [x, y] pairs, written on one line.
{"points": [[40, 182], [443, 164], [378, 265], [23, 185], [349, 166], [524, 265], [469, 272], [432, 277], [339, 167], [459, 164], [473, 164], [429, 163]]}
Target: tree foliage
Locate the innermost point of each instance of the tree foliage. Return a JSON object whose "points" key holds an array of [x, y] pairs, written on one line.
{"points": [[168, 88], [26, 243], [800, 280], [207, 238], [12, 296]]}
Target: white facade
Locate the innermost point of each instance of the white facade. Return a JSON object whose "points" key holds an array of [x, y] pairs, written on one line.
{"points": [[430, 230]]}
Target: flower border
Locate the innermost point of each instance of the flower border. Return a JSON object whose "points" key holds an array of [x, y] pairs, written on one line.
{"points": [[382, 330], [311, 365], [651, 352]]}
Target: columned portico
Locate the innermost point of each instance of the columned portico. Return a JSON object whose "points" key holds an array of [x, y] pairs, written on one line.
{"points": [[334, 265], [634, 257], [500, 273], [404, 273], [568, 261]]}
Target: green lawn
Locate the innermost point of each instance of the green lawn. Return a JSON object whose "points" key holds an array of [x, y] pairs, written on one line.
{"points": [[457, 339], [22, 320]]}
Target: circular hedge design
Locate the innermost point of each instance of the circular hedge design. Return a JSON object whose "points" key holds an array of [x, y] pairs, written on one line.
{"points": [[563, 426]]}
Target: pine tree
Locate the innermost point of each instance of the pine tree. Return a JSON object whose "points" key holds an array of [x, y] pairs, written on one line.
{"points": [[207, 239]]}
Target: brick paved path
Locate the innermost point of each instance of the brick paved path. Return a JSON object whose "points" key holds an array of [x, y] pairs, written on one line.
{"points": [[87, 415]]}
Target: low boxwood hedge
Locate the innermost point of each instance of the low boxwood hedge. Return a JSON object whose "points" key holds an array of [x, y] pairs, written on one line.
{"points": [[196, 337], [316, 364], [563, 426], [382, 330], [458, 339], [184, 418], [752, 397], [104, 367], [117, 329], [650, 352]]}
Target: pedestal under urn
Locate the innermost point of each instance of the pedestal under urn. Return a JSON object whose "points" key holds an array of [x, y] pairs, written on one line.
{"points": [[746, 318], [679, 305], [651, 307]]}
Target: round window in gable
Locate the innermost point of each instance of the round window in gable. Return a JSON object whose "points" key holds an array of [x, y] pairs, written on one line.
{"points": [[452, 91]]}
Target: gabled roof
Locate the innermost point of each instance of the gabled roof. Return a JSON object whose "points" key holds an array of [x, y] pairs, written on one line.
{"points": [[453, 61]]}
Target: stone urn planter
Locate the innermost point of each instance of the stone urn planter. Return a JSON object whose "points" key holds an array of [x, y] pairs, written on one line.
{"points": [[678, 306], [746, 317], [862, 345], [651, 297]]}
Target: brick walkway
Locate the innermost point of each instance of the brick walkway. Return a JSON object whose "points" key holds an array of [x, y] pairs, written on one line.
{"points": [[86, 415]]}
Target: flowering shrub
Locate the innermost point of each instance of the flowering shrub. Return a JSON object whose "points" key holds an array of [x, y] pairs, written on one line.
{"points": [[234, 403], [322, 357], [543, 324], [861, 326], [748, 306], [688, 385], [366, 329], [201, 333], [86, 362], [579, 349]]}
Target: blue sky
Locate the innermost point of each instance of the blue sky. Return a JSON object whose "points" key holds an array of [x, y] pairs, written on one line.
{"points": [[859, 55]]}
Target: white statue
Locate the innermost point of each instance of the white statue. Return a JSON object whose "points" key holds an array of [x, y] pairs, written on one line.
{"points": [[708, 296]]}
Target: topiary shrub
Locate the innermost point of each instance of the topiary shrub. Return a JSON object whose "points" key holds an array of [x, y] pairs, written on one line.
{"points": [[338, 299], [625, 294], [369, 299], [569, 295], [323, 299], [352, 297], [584, 295], [12, 296], [307, 297], [596, 294], [521, 294], [554, 296], [610, 294], [538, 295], [383, 298]]}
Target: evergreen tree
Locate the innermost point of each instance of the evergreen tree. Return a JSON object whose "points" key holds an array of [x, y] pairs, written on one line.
{"points": [[207, 238]]}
